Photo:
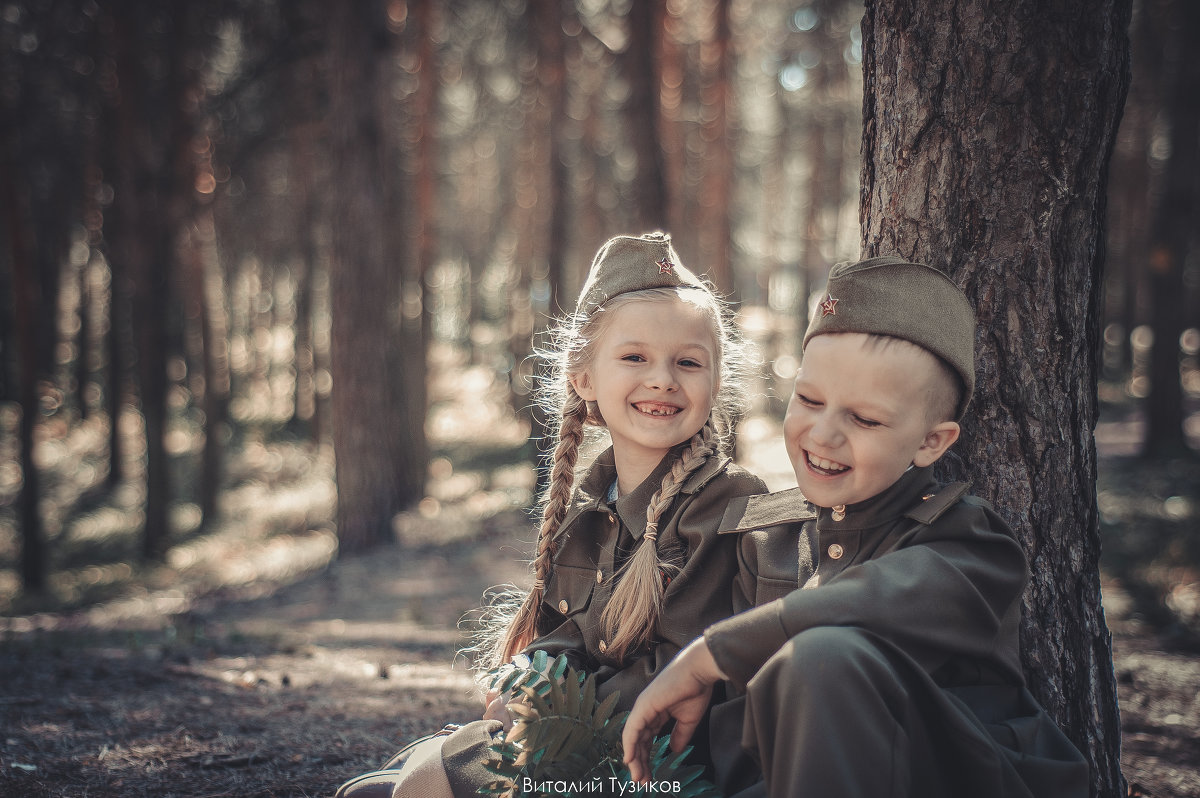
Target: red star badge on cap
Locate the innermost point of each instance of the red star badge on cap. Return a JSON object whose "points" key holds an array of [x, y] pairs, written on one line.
{"points": [[828, 306], [665, 265]]}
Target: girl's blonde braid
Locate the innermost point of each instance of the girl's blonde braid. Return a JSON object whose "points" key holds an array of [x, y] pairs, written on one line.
{"points": [[631, 617], [523, 628]]}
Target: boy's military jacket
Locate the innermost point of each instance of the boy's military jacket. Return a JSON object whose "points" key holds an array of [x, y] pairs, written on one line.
{"points": [[598, 536], [932, 570], [933, 573]]}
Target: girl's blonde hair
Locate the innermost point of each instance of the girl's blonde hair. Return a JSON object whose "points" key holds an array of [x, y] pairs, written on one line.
{"points": [[630, 620]]}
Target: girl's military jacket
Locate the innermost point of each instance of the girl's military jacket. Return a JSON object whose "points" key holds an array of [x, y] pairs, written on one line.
{"points": [[597, 537]]}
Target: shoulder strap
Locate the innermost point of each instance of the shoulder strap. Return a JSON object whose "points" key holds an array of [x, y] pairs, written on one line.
{"points": [[745, 513], [933, 505]]}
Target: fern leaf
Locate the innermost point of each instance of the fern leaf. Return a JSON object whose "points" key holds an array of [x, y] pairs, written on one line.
{"points": [[571, 697], [560, 668], [561, 735], [602, 713]]}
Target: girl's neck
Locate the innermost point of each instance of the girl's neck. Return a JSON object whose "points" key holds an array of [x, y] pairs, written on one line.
{"points": [[633, 468]]}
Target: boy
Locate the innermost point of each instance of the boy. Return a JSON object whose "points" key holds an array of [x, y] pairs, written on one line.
{"points": [[895, 670]]}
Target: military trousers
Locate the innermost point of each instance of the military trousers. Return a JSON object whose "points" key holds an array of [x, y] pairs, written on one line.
{"points": [[841, 711]]}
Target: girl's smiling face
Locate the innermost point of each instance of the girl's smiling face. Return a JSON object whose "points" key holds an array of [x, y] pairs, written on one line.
{"points": [[654, 376], [860, 414]]}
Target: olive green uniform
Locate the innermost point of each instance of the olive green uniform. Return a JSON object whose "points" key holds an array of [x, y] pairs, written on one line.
{"points": [[894, 670], [596, 538]]}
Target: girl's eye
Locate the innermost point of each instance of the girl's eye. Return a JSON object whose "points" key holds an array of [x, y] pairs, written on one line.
{"points": [[689, 363], [804, 400], [633, 358], [865, 422]]}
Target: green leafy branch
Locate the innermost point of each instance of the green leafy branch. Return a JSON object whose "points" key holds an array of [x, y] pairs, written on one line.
{"points": [[564, 742]]}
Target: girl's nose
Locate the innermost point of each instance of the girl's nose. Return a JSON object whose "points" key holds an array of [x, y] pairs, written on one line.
{"points": [[662, 379]]}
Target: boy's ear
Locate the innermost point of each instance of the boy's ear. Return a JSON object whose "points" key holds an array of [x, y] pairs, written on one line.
{"points": [[582, 383], [936, 442]]}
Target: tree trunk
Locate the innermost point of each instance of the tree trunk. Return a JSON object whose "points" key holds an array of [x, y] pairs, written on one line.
{"points": [[27, 304], [304, 397], [552, 116], [425, 208], [716, 198], [205, 285], [142, 246], [83, 340], [378, 471], [552, 77], [987, 132], [1173, 223], [107, 228], [651, 197]]}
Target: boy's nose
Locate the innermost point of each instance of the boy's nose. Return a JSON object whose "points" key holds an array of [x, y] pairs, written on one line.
{"points": [[825, 432]]}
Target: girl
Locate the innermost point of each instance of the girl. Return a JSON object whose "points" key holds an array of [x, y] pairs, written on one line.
{"points": [[628, 566]]}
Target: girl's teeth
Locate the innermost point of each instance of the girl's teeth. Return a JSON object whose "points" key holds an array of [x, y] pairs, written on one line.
{"points": [[658, 410]]}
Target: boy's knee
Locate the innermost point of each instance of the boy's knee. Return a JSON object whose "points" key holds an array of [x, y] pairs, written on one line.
{"points": [[827, 701], [831, 663]]}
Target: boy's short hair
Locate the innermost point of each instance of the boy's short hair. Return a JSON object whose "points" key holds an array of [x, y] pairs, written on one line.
{"points": [[893, 297]]}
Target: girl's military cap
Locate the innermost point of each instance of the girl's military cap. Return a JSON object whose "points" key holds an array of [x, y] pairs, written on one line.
{"points": [[633, 263], [891, 296]]}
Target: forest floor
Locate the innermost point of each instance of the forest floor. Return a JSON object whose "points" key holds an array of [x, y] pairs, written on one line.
{"points": [[256, 663]]}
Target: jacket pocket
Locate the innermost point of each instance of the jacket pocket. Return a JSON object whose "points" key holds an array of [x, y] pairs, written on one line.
{"points": [[767, 589], [569, 591]]}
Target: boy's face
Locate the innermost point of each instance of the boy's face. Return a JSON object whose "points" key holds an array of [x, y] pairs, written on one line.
{"points": [[859, 415]]}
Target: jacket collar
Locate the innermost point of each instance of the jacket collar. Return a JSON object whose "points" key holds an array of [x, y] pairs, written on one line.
{"points": [[916, 495], [592, 490]]}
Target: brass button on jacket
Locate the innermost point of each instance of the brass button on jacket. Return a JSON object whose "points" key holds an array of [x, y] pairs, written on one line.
{"points": [[835, 551], [563, 606], [599, 576]]}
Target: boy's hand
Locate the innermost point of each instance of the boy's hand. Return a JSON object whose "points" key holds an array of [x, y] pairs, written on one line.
{"points": [[682, 692]]}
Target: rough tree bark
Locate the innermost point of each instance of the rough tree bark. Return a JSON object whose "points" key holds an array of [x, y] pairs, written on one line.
{"points": [[380, 461], [987, 131]]}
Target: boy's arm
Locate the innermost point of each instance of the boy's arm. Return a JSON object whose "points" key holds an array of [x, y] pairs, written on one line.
{"points": [[682, 691], [947, 589]]}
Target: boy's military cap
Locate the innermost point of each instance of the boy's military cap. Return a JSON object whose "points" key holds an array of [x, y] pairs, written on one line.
{"points": [[891, 296], [633, 263]]}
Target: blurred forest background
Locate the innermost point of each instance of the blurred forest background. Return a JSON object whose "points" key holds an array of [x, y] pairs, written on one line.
{"points": [[240, 235]]}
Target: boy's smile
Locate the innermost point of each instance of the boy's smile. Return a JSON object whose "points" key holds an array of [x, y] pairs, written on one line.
{"points": [[654, 378], [859, 416]]}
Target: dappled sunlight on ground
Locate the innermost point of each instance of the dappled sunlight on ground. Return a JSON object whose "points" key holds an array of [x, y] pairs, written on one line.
{"points": [[254, 661]]}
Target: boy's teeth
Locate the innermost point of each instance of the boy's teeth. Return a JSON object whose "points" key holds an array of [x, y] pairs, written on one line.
{"points": [[825, 465]]}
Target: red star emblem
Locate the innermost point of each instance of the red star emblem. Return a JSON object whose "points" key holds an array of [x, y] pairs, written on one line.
{"points": [[665, 265], [828, 306]]}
